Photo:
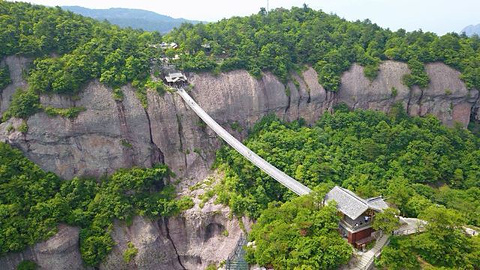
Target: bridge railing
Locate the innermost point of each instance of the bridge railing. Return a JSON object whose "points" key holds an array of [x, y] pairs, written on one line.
{"points": [[236, 260], [258, 161]]}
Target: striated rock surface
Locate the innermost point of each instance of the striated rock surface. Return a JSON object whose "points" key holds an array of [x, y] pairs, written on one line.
{"points": [[60, 252], [358, 92], [446, 96], [204, 236], [16, 65], [107, 136], [155, 250], [193, 240], [112, 134]]}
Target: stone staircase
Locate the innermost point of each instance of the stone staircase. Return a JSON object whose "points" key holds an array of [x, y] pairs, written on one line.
{"points": [[366, 261], [236, 261]]}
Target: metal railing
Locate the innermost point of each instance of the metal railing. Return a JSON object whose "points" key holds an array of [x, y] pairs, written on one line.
{"points": [[262, 164], [236, 260], [360, 227]]}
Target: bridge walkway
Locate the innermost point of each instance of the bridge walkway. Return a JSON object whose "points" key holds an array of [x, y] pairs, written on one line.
{"points": [[268, 168]]}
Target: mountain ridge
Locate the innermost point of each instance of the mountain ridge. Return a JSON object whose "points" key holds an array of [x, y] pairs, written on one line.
{"points": [[134, 18], [472, 30]]}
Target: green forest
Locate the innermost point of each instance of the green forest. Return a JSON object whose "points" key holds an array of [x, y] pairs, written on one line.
{"points": [[284, 40], [70, 50], [34, 202], [299, 234], [420, 166]]}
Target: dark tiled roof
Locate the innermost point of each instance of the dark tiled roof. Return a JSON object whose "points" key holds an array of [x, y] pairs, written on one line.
{"points": [[351, 205]]}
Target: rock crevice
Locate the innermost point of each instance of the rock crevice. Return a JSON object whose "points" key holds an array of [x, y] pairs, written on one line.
{"points": [[158, 156], [167, 230]]}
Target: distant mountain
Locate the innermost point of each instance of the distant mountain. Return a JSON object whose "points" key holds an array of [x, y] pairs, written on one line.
{"points": [[135, 18], [471, 30]]}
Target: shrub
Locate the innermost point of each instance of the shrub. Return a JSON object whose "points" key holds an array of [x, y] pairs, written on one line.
{"points": [[371, 72], [126, 143], [418, 75], [23, 127], [70, 113], [27, 265], [394, 92], [130, 252], [158, 86], [118, 94], [24, 104], [185, 203]]}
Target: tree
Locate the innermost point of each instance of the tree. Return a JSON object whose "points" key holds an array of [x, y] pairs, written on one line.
{"points": [[444, 243], [386, 221], [398, 255], [24, 104], [4, 77], [416, 205], [399, 192], [300, 233]]}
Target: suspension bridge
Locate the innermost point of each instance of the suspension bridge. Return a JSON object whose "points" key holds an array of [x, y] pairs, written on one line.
{"points": [[266, 167]]}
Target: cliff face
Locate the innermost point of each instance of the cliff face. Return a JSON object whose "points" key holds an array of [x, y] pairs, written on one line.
{"points": [[192, 240], [446, 96], [16, 65], [111, 134], [57, 253]]}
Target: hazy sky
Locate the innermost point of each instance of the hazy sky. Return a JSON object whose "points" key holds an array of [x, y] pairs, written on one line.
{"points": [[440, 16]]}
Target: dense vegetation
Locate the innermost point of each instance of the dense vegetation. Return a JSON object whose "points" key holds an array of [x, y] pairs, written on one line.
{"points": [[416, 163], [368, 152], [299, 234], [33, 202], [71, 50], [283, 40], [444, 244], [86, 49]]}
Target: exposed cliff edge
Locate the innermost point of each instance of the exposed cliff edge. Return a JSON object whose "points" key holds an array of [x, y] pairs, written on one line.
{"points": [[57, 253], [111, 134]]}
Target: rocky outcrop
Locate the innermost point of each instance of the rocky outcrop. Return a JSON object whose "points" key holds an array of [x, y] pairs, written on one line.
{"points": [[204, 236], [108, 135], [17, 66], [155, 250], [446, 96], [112, 134], [60, 252], [358, 92], [192, 240]]}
